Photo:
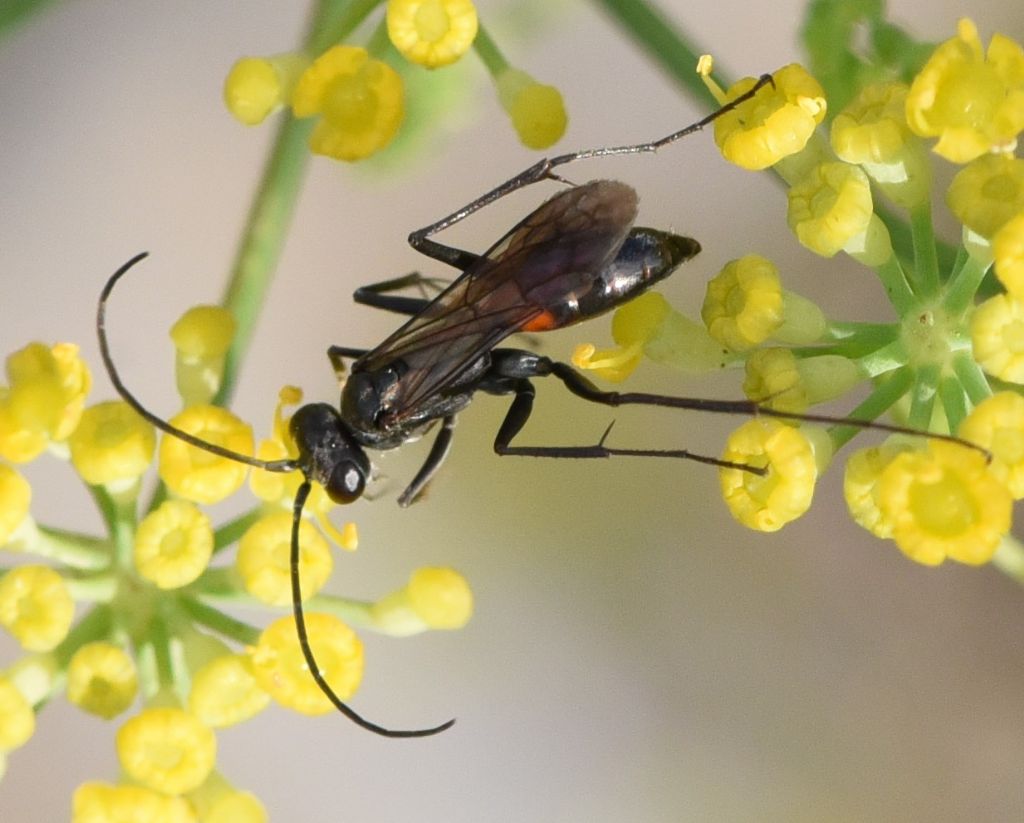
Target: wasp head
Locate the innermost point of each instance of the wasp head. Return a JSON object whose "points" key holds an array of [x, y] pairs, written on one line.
{"points": [[328, 453]]}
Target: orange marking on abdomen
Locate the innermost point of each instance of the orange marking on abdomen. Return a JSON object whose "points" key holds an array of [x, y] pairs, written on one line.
{"points": [[542, 322]]}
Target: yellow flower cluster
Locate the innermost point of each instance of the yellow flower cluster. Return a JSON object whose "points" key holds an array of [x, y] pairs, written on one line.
{"points": [[149, 628], [359, 99], [956, 359]]}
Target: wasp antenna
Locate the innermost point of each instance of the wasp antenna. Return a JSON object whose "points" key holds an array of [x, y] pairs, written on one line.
{"points": [[307, 651], [856, 422], [131, 400]]}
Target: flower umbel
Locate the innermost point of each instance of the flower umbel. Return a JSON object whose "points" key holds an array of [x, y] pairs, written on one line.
{"points": [[149, 626], [952, 359]]}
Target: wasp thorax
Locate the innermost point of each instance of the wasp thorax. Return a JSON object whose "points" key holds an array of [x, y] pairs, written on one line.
{"points": [[328, 453]]}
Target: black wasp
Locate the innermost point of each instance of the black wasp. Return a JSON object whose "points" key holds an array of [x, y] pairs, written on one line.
{"points": [[576, 256]]}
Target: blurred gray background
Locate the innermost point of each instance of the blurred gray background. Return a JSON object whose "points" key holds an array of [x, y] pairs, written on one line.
{"points": [[635, 654]]}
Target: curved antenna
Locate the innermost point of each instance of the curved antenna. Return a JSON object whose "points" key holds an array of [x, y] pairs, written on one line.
{"points": [[307, 651], [131, 400]]}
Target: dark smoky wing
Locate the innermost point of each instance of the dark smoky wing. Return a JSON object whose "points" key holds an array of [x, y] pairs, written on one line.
{"points": [[547, 261]]}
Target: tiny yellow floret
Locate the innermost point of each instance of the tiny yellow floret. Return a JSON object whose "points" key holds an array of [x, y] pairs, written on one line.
{"points": [[441, 597], [997, 337], [943, 502], [360, 100], [36, 607], [537, 110], [743, 303], [830, 208], [997, 424], [971, 100], [776, 123], [202, 337], [44, 399], [15, 499], [767, 503], [281, 670], [96, 802], [1008, 253], [988, 193], [773, 380], [112, 444], [166, 749], [225, 692], [17, 719], [860, 486], [432, 33], [102, 679], [264, 559], [173, 544], [198, 475], [258, 86]]}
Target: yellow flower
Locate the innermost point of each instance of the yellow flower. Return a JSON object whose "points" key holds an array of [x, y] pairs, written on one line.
{"points": [[166, 749], [997, 424], [1008, 252], [776, 123], [173, 544], [36, 607], [860, 486], [15, 498], [198, 475], [773, 380], [537, 110], [830, 208], [102, 679], [743, 303], [281, 669], [44, 399], [988, 193], [96, 802], [767, 503], [997, 335], [944, 502], [432, 33], [776, 378], [973, 102], [360, 100], [112, 444], [225, 692], [872, 132], [17, 719], [202, 337], [257, 86], [263, 560], [434, 598]]}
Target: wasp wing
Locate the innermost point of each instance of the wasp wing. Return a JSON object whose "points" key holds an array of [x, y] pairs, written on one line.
{"points": [[545, 263]]}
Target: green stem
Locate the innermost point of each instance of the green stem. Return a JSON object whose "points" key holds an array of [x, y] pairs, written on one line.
{"points": [[1009, 558], [77, 551], [881, 399], [356, 613], [971, 377], [894, 281], [926, 260], [219, 622], [14, 12], [487, 50], [271, 212], [922, 399], [94, 588], [95, 625], [884, 359], [954, 401], [232, 531], [660, 39], [964, 285]]}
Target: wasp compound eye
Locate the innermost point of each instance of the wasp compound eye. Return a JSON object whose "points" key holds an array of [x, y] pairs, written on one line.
{"points": [[328, 453], [346, 482]]}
